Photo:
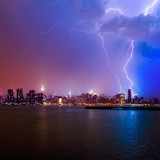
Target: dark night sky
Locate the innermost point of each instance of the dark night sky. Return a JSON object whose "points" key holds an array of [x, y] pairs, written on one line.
{"points": [[78, 45]]}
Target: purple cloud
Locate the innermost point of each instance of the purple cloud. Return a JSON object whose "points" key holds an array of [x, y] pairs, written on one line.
{"points": [[141, 28]]}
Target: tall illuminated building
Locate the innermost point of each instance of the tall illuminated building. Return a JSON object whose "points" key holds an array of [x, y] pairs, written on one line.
{"points": [[31, 96], [40, 98], [136, 99], [42, 89], [129, 95], [121, 98], [10, 96], [91, 91], [20, 97], [69, 95]]}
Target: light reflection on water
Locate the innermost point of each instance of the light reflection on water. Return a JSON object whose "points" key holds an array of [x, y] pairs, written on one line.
{"points": [[76, 133]]}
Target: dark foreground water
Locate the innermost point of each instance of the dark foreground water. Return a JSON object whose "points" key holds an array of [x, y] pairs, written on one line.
{"points": [[76, 133]]}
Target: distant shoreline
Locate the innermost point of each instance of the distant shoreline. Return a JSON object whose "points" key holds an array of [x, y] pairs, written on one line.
{"points": [[97, 107], [127, 107]]}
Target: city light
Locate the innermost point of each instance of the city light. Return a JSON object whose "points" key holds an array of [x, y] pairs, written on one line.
{"points": [[69, 93], [60, 101], [91, 91], [89, 98], [42, 89]]}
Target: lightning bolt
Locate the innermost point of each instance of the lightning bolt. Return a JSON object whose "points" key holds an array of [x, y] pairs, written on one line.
{"points": [[97, 31], [119, 83], [131, 46], [127, 63], [146, 12], [102, 39], [108, 62], [114, 9], [103, 45]]}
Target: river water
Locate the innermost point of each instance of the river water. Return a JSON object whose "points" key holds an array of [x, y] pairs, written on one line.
{"points": [[76, 133]]}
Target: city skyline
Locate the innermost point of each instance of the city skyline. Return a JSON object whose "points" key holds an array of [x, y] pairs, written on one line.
{"points": [[129, 94], [82, 99], [77, 46]]}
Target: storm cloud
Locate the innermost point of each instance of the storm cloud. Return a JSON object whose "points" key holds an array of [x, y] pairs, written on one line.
{"points": [[59, 44]]}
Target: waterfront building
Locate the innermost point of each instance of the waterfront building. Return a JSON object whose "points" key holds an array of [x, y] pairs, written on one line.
{"points": [[69, 95], [31, 97], [20, 97], [60, 102], [10, 96], [40, 98], [95, 99], [121, 98], [129, 95], [1, 99], [136, 99]]}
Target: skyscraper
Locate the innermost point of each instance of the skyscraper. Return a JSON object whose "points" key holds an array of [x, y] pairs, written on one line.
{"points": [[20, 97], [31, 96], [129, 95], [121, 98], [10, 96], [136, 99], [40, 98]]}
